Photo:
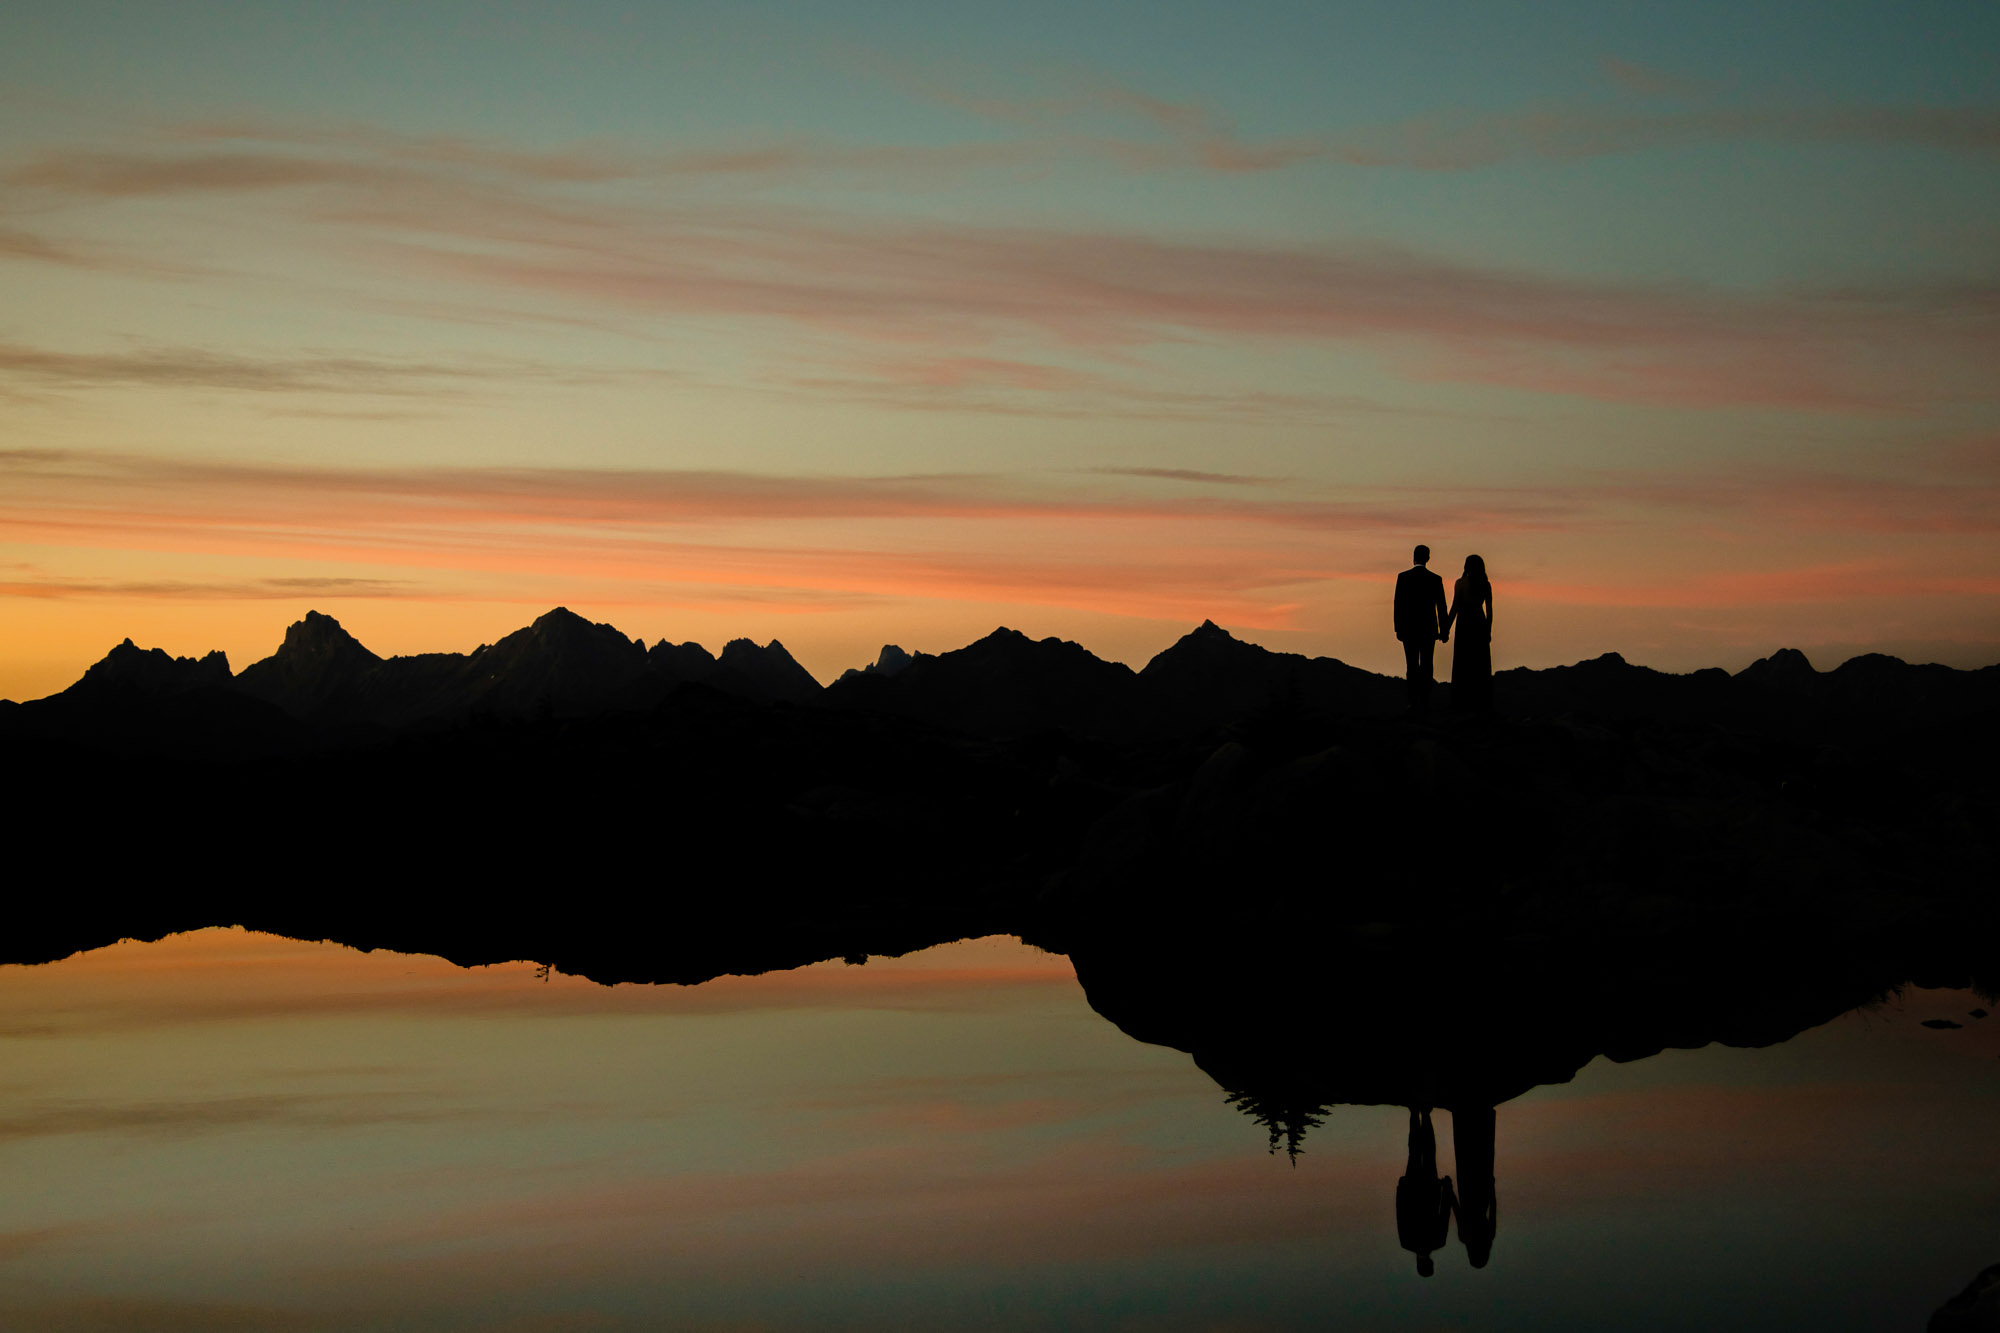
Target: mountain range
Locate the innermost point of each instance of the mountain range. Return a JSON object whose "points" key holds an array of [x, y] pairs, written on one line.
{"points": [[323, 681], [663, 813]]}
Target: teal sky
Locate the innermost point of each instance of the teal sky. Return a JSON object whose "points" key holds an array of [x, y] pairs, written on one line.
{"points": [[1685, 316]]}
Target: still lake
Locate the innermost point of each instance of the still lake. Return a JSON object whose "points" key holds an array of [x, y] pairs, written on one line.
{"points": [[233, 1131]]}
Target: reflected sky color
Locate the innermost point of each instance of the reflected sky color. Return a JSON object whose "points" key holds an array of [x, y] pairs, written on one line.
{"points": [[230, 1130], [902, 321]]}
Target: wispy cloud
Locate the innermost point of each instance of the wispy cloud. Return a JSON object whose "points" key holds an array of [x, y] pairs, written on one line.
{"points": [[190, 367], [49, 480], [715, 538], [120, 175], [1461, 142], [34, 247], [1099, 117], [264, 589], [1210, 545], [535, 231], [1846, 581], [1647, 81], [965, 286], [1189, 475], [1014, 388], [17, 244]]}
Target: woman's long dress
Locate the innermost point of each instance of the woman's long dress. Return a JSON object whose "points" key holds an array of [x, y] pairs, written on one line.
{"points": [[1471, 648]]}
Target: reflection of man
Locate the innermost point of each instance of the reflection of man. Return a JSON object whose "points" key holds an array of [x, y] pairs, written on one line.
{"points": [[1478, 1206], [1420, 618], [1423, 1202]]}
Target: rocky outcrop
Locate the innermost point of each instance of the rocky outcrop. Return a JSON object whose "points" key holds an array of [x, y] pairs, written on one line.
{"points": [[1974, 1310]]}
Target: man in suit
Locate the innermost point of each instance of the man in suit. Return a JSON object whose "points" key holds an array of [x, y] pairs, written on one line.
{"points": [[1420, 616], [1423, 1201]]}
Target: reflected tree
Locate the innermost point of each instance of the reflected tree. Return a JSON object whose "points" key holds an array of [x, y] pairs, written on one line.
{"points": [[1285, 1119]]}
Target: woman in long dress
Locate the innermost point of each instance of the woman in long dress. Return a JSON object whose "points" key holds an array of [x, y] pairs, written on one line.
{"points": [[1471, 616]]}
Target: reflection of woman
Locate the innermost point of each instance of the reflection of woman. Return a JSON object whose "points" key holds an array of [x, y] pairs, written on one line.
{"points": [[1472, 1154], [1472, 656]]}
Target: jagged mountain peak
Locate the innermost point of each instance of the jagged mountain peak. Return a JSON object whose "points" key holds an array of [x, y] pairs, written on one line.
{"points": [[766, 671], [1605, 662], [1787, 664], [561, 622], [1211, 637], [1011, 644], [318, 661], [1207, 641], [889, 661], [154, 671], [740, 649], [320, 637], [563, 632]]}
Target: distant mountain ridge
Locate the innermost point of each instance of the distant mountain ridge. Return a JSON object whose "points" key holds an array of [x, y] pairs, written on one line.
{"points": [[1005, 685]]}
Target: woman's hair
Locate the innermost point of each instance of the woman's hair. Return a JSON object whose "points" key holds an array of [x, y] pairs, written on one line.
{"points": [[1475, 569]]}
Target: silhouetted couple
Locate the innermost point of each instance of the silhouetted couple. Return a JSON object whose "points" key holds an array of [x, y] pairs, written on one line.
{"points": [[1425, 1202], [1423, 621]]}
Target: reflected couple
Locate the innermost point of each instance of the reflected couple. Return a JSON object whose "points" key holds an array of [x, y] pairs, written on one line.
{"points": [[1423, 620], [1427, 1202]]}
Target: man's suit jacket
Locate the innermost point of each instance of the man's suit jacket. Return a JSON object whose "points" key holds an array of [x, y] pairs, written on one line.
{"points": [[1420, 609]]}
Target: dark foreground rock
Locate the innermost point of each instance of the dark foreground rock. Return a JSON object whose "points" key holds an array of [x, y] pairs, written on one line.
{"points": [[570, 796], [1974, 1310]]}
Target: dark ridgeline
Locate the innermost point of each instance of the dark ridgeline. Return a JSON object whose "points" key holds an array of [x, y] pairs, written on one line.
{"points": [[1974, 1310], [569, 795], [560, 666], [1253, 857]]}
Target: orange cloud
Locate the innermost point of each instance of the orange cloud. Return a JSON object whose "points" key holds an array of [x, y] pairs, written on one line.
{"points": [[1136, 543]]}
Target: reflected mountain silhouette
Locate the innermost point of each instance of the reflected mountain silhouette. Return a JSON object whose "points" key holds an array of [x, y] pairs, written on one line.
{"points": [[1248, 856], [1358, 1023]]}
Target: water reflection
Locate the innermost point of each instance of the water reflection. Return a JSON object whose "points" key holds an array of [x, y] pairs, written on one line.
{"points": [[1472, 1132], [1424, 1201], [236, 1130]]}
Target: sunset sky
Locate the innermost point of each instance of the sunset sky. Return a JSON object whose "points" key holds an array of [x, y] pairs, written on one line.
{"points": [[845, 324]]}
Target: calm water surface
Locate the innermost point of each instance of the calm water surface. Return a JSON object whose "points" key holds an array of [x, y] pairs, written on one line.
{"points": [[226, 1130]]}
